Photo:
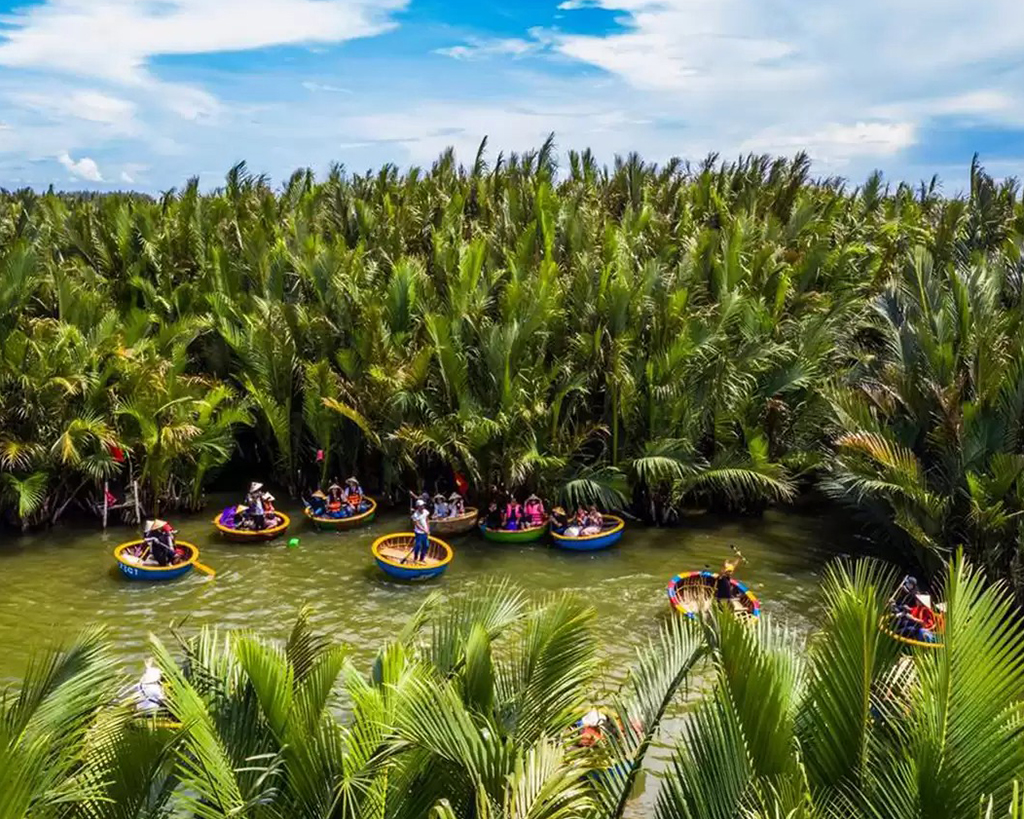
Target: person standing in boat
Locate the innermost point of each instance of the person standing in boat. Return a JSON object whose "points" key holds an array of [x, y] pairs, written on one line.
{"points": [[725, 588], [421, 532]]}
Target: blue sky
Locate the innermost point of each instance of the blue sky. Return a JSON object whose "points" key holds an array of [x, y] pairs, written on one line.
{"points": [[107, 94]]}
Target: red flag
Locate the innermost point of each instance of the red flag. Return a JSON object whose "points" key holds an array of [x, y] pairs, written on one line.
{"points": [[319, 455], [461, 483], [116, 453], [111, 498]]}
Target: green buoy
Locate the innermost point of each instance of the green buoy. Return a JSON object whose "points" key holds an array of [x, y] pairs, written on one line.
{"points": [[293, 543]]}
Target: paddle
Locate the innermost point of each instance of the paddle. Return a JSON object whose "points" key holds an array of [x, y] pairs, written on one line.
{"points": [[204, 568]]}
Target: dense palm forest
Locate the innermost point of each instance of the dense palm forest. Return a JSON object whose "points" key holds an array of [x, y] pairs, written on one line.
{"points": [[470, 712], [664, 338]]}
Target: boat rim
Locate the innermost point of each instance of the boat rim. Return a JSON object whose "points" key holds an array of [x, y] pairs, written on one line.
{"points": [[449, 552], [618, 527], [120, 559], [471, 512], [486, 528], [257, 533], [349, 519], [899, 638]]}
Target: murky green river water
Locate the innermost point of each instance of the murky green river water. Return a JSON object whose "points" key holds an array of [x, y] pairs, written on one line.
{"points": [[54, 583]]}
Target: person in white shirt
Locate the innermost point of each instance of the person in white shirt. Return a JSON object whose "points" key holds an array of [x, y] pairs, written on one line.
{"points": [[421, 528]]}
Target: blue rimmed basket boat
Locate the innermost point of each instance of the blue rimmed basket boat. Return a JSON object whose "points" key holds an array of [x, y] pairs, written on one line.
{"points": [[610, 534], [328, 523], [133, 568], [390, 550], [253, 535], [693, 593]]}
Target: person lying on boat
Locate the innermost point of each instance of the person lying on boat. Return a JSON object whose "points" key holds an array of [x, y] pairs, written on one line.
{"points": [[726, 592], [421, 533], [456, 505], [440, 506], [354, 496], [533, 511], [595, 522], [559, 520], [493, 518]]}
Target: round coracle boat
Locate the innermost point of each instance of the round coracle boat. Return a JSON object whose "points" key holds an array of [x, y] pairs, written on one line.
{"points": [[460, 524], [393, 554], [254, 535], [132, 561], [515, 535], [693, 593], [610, 534], [337, 524], [912, 632]]}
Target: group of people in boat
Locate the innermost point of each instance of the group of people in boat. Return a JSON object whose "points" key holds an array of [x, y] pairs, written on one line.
{"points": [[512, 515], [439, 507], [339, 501], [912, 614], [583, 523], [255, 514]]}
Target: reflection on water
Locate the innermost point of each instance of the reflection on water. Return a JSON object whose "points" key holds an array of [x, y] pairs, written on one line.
{"points": [[54, 583]]}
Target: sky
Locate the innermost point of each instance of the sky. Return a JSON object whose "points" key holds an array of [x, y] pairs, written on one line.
{"points": [[143, 94]]}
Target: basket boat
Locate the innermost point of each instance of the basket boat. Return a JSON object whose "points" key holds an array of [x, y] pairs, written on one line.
{"points": [[327, 523], [133, 569], [253, 535], [514, 535], [693, 593], [610, 534], [391, 550], [457, 525]]}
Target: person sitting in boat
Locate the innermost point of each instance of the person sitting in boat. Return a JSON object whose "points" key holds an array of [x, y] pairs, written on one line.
{"points": [[440, 506], [335, 501], [159, 538], [317, 504], [354, 496], [533, 511], [595, 522], [493, 518], [456, 505], [149, 693], [577, 524], [268, 508], [227, 517], [559, 520], [514, 515], [726, 592]]}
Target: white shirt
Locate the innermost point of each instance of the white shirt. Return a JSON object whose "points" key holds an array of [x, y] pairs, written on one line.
{"points": [[421, 521]]}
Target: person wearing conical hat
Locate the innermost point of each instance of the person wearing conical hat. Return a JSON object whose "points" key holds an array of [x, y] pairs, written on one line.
{"points": [[159, 538], [559, 520], [725, 588], [440, 506], [353, 494], [150, 690], [334, 500], [533, 511], [456, 505]]}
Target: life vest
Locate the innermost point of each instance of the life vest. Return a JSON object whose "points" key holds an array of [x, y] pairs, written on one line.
{"points": [[925, 615], [355, 499]]}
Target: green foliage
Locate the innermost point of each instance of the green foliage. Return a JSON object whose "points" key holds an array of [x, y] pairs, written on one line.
{"points": [[722, 335]]}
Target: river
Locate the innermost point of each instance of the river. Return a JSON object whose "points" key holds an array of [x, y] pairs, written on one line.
{"points": [[55, 582]]}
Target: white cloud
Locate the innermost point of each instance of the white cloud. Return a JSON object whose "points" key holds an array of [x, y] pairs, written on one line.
{"points": [[85, 168], [114, 39], [835, 144], [89, 105], [476, 48], [330, 89]]}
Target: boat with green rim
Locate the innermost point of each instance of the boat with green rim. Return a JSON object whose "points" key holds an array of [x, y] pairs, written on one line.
{"points": [[530, 535], [332, 524]]}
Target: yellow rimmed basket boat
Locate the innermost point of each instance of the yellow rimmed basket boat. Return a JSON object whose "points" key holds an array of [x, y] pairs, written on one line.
{"points": [[692, 593], [887, 623], [458, 525], [389, 552], [133, 568], [254, 535], [328, 523]]}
